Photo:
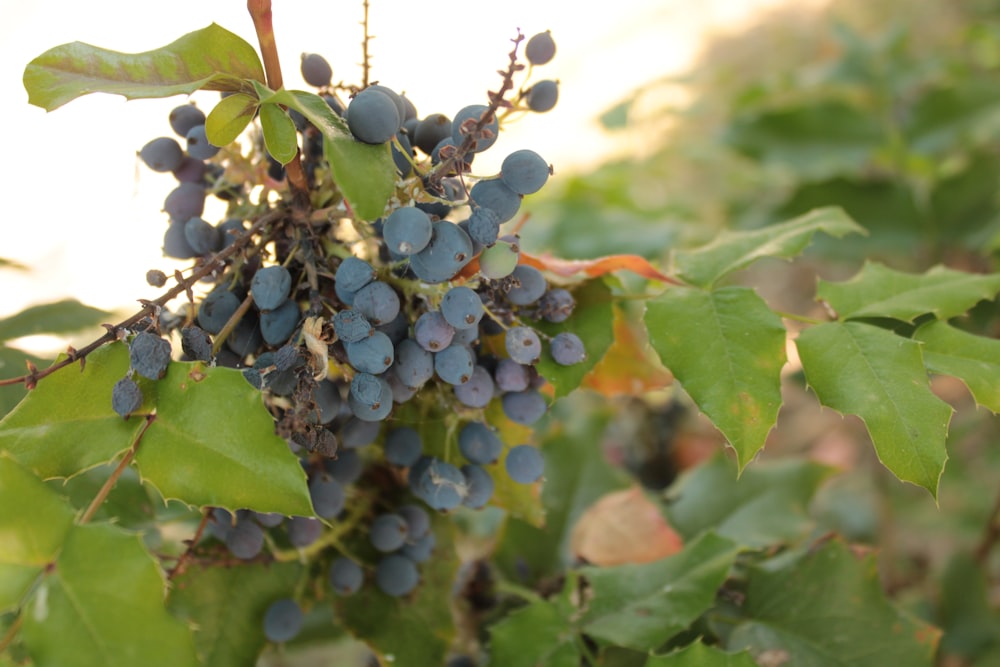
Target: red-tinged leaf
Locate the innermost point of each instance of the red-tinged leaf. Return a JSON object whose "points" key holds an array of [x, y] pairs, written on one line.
{"points": [[594, 268], [630, 366]]}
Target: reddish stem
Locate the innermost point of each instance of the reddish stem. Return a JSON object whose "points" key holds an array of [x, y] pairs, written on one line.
{"points": [[260, 13]]}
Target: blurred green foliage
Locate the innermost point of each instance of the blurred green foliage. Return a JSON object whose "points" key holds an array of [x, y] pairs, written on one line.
{"points": [[890, 110]]}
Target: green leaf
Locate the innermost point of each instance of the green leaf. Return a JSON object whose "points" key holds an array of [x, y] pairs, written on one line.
{"points": [[733, 251], [975, 360], [211, 58], [825, 608], [593, 322], [541, 633], [66, 425], [863, 370], [726, 348], [953, 113], [700, 655], [33, 522], [878, 291], [768, 505], [59, 317], [971, 626], [213, 443], [103, 604], [364, 173], [815, 140], [226, 606], [280, 135], [642, 606], [420, 624], [12, 364], [229, 117]]}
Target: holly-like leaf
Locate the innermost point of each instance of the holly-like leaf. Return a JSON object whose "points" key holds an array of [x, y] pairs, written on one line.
{"points": [[973, 359], [878, 291], [92, 609], [211, 58], [733, 251], [229, 118], [226, 607], [33, 521], [593, 322], [66, 425], [768, 505], [863, 370], [726, 348], [419, 624], [59, 317], [541, 633], [364, 173], [280, 136], [642, 606], [213, 443], [701, 655], [826, 607]]}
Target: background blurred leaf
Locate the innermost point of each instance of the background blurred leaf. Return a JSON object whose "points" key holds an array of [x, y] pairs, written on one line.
{"points": [[825, 607], [226, 606], [66, 316], [768, 504]]}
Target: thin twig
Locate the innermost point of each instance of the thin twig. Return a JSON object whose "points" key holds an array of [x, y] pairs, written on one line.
{"points": [[366, 63], [150, 307], [185, 558], [110, 482], [8, 638], [496, 101]]}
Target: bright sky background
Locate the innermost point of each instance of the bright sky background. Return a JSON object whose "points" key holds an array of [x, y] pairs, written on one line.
{"points": [[84, 213]]}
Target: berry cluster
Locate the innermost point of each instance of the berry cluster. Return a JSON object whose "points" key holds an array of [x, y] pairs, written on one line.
{"points": [[362, 333]]}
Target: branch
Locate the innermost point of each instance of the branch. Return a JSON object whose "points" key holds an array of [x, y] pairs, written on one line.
{"points": [[260, 12], [366, 62], [110, 482], [148, 307], [496, 101]]}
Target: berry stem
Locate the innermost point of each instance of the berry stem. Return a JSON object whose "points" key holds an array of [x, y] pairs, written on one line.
{"points": [[110, 482]]}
